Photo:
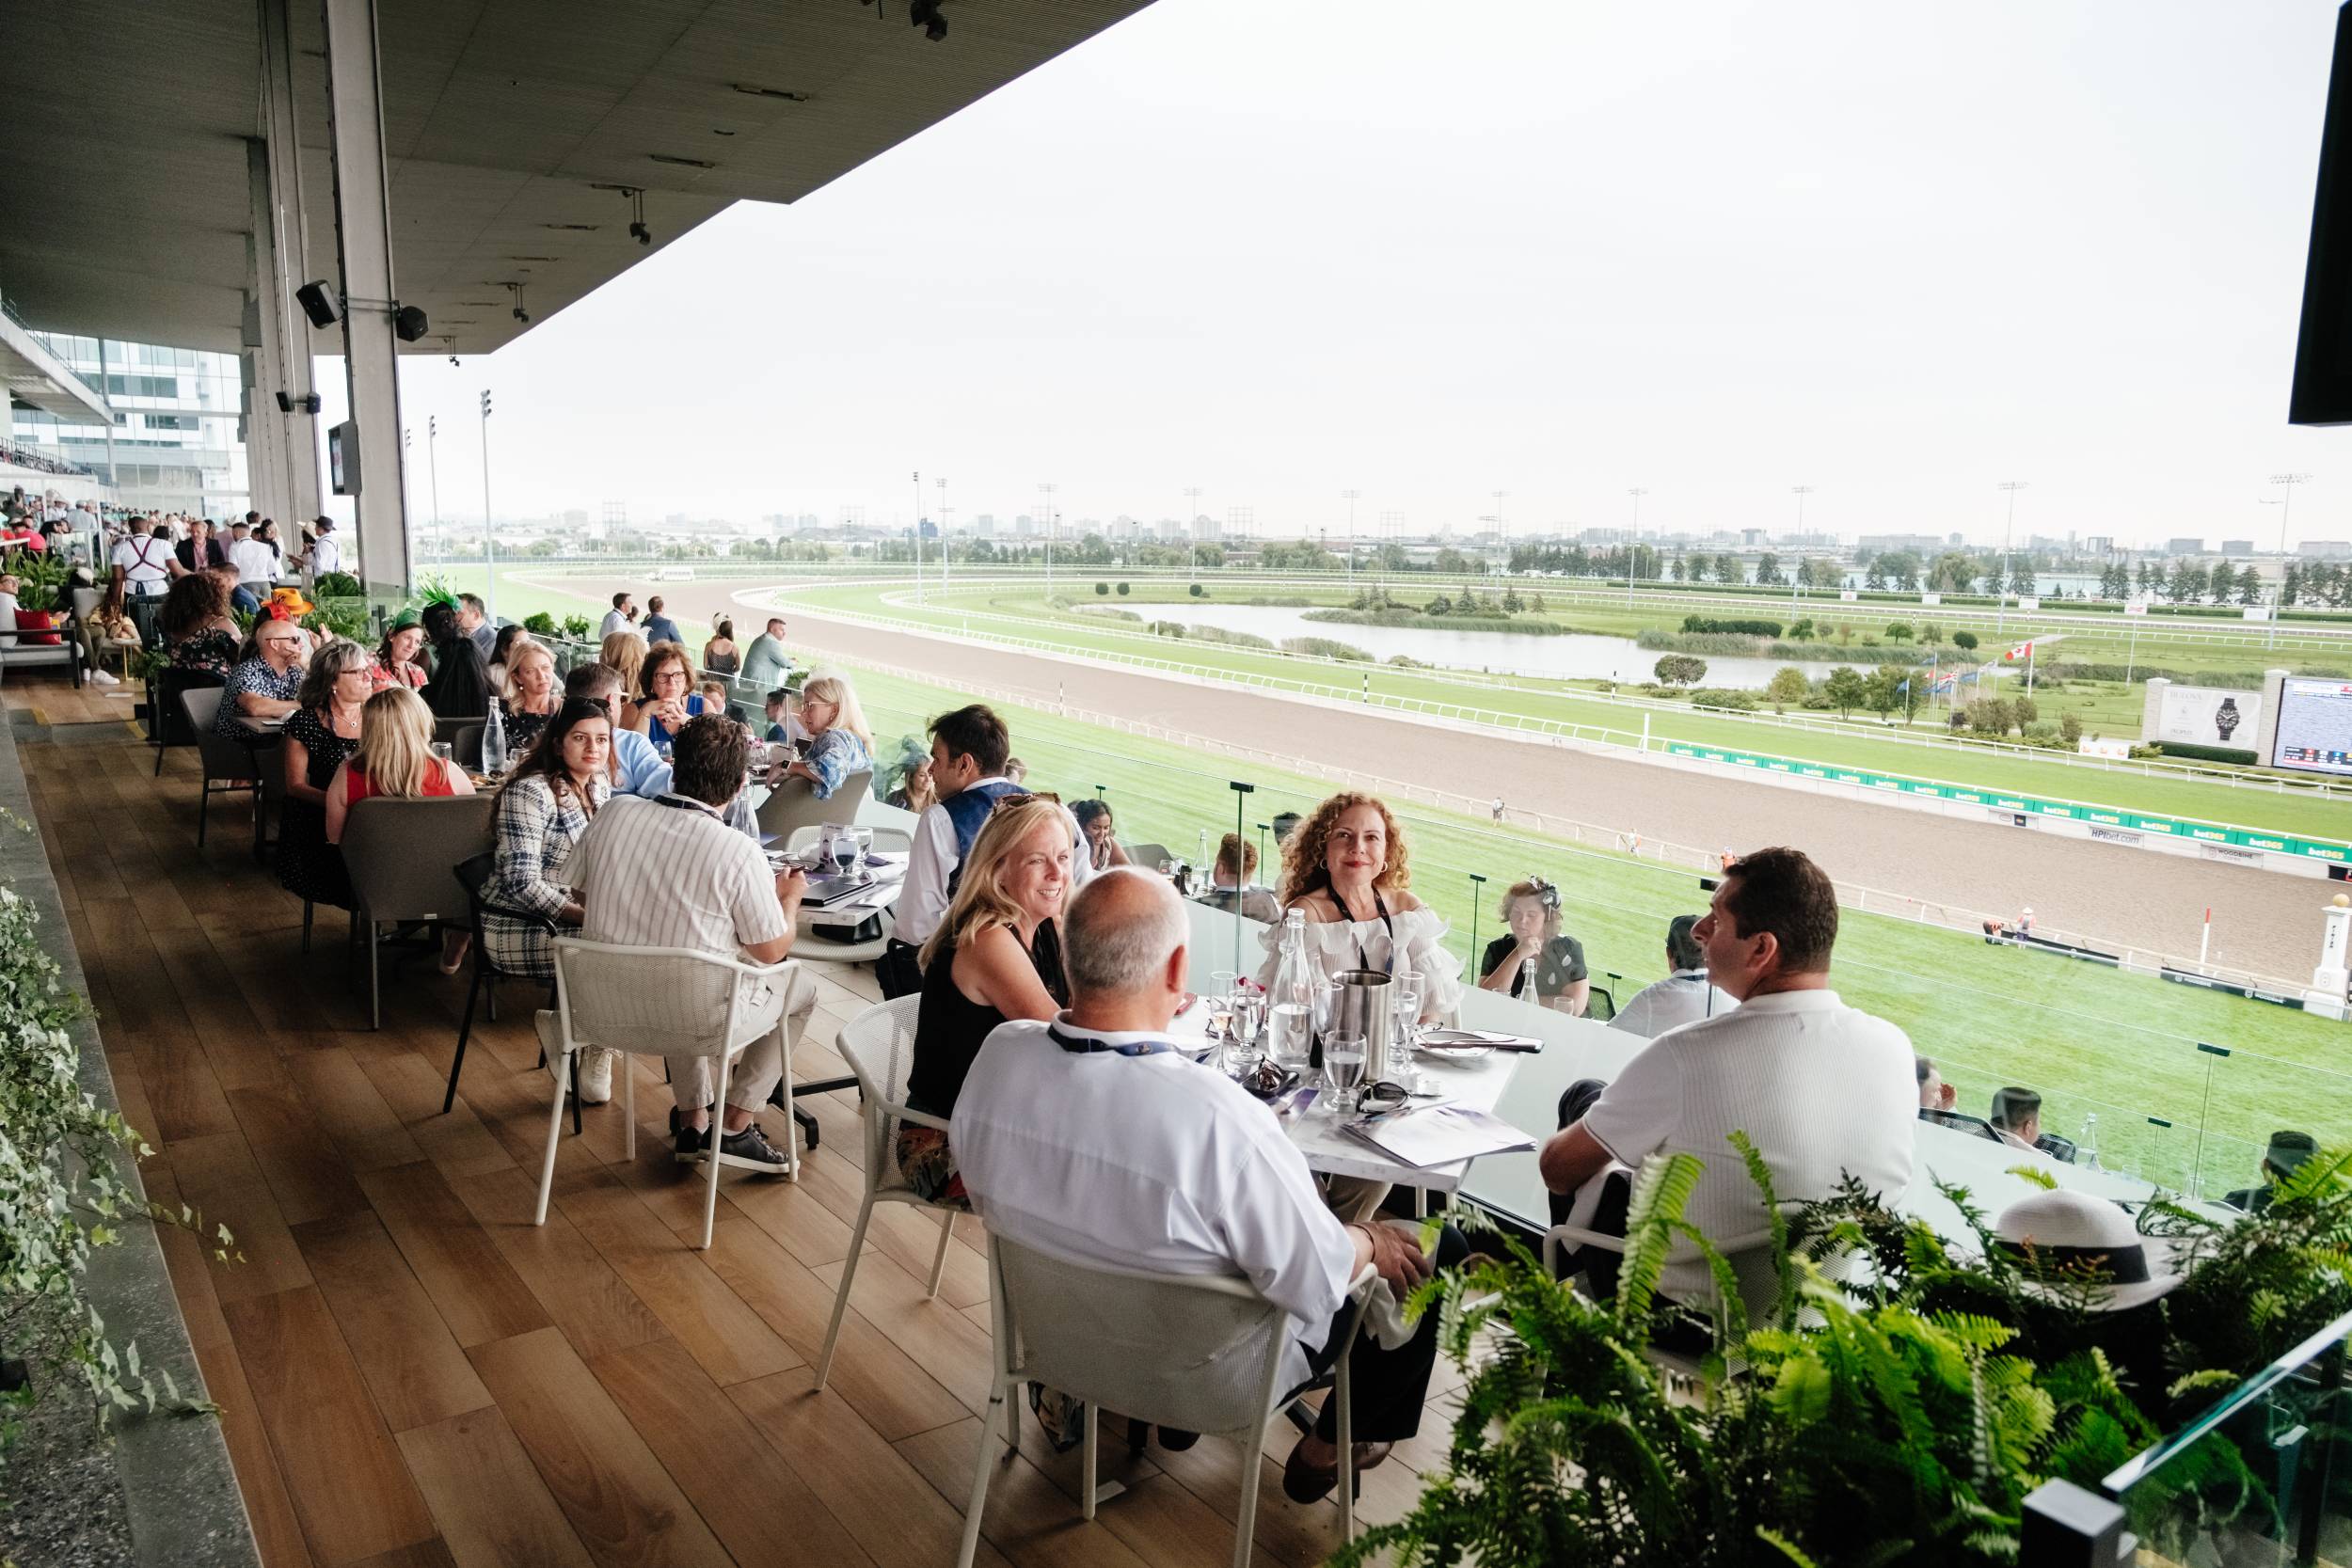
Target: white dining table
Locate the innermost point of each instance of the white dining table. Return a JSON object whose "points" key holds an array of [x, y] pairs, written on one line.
{"points": [[1477, 1084], [889, 872], [1525, 1089]]}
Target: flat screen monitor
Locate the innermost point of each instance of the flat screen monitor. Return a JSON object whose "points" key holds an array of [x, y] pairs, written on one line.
{"points": [[2315, 726]]}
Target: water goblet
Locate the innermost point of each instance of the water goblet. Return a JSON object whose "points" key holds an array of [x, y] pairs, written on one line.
{"points": [[1343, 1066]]}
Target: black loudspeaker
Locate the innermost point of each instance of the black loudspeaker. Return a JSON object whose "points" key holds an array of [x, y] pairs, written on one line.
{"points": [[409, 323], [2323, 348], [318, 303]]}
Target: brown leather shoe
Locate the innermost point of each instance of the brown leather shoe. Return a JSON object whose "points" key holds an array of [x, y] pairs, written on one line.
{"points": [[1305, 1481]]}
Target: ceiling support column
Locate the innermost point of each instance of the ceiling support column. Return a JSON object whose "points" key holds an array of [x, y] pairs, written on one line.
{"points": [[263, 426], [364, 243], [274, 163]]}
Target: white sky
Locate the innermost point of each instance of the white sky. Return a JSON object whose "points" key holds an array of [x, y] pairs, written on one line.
{"points": [[1433, 251]]}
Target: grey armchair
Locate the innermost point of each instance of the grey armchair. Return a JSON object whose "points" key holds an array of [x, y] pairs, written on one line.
{"points": [[401, 856]]}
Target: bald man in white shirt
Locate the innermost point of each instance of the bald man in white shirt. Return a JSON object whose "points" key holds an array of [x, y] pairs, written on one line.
{"points": [[1095, 1139]]}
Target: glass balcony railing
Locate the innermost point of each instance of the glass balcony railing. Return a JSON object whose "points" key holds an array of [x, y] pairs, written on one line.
{"points": [[2164, 1086], [2264, 1477]]}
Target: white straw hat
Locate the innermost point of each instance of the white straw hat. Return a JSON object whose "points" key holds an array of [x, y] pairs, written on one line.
{"points": [[2066, 1239]]}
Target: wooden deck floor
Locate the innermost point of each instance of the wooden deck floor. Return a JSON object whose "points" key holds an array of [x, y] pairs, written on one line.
{"points": [[410, 1373]]}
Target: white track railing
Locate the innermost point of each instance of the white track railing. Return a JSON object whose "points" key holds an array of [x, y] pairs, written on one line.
{"points": [[2153, 768], [1489, 719], [1587, 837]]}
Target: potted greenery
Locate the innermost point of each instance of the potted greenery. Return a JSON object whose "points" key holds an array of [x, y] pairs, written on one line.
{"points": [[64, 1192], [1860, 1432], [39, 596]]}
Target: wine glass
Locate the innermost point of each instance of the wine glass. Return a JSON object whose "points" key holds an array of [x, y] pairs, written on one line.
{"points": [[1343, 1066]]}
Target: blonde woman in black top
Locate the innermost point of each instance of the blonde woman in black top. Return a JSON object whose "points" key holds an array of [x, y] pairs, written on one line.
{"points": [[996, 955]]}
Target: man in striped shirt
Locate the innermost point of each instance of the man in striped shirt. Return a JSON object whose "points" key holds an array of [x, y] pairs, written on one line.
{"points": [[669, 872]]}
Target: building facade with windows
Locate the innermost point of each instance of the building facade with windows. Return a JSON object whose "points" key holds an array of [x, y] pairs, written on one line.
{"points": [[177, 444]]}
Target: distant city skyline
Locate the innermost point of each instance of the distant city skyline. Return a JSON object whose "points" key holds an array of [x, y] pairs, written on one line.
{"points": [[1889, 258]]}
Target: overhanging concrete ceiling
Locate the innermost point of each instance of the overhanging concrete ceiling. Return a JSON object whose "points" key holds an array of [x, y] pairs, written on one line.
{"points": [[123, 193]]}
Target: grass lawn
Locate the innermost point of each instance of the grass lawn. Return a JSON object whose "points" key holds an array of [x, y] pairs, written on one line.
{"points": [[2124, 1047], [1017, 613], [2093, 1041]]}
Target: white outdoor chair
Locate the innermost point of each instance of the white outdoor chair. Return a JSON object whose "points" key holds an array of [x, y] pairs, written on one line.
{"points": [[879, 1045], [1199, 1352], [660, 1000]]}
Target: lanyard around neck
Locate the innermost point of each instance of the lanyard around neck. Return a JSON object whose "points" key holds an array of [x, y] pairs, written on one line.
{"points": [[1380, 908], [1081, 1045]]}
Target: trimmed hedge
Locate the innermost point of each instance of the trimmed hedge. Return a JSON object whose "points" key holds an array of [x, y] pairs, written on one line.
{"points": [[1737, 627], [2187, 752]]}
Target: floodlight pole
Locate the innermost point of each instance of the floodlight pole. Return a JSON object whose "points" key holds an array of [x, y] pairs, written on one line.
{"points": [[2008, 536], [490, 550], [432, 465], [946, 551], [1633, 543], [1192, 542], [2286, 483], [1799, 491], [918, 537], [1047, 491], [1351, 497]]}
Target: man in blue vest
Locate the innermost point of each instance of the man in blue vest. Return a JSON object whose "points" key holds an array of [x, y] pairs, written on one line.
{"points": [[969, 749]]}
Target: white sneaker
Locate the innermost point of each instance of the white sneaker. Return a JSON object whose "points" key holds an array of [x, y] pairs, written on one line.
{"points": [[105, 677], [595, 1076]]}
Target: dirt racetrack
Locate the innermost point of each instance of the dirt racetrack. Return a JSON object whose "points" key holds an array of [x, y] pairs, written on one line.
{"points": [[2263, 921]]}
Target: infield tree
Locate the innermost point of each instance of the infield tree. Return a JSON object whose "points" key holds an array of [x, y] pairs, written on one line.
{"points": [[1846, 689]]}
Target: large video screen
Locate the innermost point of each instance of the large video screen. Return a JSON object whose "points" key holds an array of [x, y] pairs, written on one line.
{"points": [[2315, 726]]}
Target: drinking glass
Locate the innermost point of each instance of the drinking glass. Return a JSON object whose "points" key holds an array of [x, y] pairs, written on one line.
{"points": [[1343, 1066], [442, 751], [1405, 991], [1242, 1034]]}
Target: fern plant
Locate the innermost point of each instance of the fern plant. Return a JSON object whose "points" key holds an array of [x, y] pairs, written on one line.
{"points": [[1861, 1433]]}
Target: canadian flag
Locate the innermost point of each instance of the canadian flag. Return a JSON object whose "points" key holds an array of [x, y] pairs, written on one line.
{"points": [[2017, 653]]}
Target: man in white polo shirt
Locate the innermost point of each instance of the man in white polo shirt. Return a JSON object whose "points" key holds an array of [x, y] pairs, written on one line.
{"points": [[669, 872], [1822, 1089]]}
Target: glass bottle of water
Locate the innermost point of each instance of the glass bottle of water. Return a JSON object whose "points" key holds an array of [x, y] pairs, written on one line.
{"points": [[2086, 1143], [1290, 1003], [493, 741]]}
